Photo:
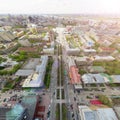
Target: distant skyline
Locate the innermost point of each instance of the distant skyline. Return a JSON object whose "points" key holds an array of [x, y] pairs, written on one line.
{"points": [[59, 7]]}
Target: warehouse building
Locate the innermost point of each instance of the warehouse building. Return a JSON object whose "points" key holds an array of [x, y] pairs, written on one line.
{"points": [[36, 79]]}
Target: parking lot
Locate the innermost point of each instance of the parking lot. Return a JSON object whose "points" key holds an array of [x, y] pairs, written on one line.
{"points": [[9, 98]]}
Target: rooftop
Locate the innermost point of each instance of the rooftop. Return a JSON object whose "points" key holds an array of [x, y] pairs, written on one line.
{"points": [[15, 112], [22, 72], [36, 79], [75, 77], [28, 49], [99, 114], [116, 78], [93, 78]]}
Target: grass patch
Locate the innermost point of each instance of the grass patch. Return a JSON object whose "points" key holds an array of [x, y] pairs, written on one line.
{"points": [[64, 112], [114, 85], [116, 101], [48, 72], [82, 72], [2, 59], [93, 85], [101, 85], [105, 100], [21, 57], [57, 112], [10, 84], [10, 72], [58, 94], [88, 97], [63, 95], [111, 67]]}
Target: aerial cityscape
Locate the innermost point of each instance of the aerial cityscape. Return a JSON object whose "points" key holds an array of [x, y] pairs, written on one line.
{"points": [[59, 64]]}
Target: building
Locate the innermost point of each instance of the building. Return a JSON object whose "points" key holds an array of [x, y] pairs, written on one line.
{"points": [[36, 79], [21, 33], [89, 51], [22, 72], [116, 78], [28, 49], [117, 110], [103, 58], [106, 50], [73, 51], [81, 60], [8, 63], [6, 36], [18, 112], [74, 75], [73, 72], [48, 51], [71, 61], [23, 109], [35, 37], [93, 78], [99, 114]]}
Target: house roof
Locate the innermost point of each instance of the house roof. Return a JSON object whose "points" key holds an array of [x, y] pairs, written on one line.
{"points": [[28, 49], [93, 78], [107, 49], [74, 75]]}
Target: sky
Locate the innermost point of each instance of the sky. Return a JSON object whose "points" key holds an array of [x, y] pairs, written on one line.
{"points": [[59, 6]]}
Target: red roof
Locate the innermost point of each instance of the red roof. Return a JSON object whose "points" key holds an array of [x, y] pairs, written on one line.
{"points": [[95, 102], [107, 49], [74, 75], [28, 49]]}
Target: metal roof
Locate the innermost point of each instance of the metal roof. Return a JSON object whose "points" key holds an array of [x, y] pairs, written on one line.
{"points": [[93, 78], [99, 114], [116, 78]]}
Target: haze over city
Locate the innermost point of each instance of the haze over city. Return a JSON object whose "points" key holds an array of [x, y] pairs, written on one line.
{"points": [[59, 60], [59, 6]]}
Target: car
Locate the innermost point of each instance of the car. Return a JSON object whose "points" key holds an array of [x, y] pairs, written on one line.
{"points": [[10, 92], [71, 106], [4, 100], [74, 98], [96, 96], [73, 115], [48, 114], [49, 108]]}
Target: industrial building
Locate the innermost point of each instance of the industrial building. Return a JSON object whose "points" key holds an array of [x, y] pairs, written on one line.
{"points": [[93, 78], [73, 72], [36, 79]]}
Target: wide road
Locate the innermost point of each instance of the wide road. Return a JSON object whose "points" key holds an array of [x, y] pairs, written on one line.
{"points": [[60, 73], [53, 87], [68, 88]]}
